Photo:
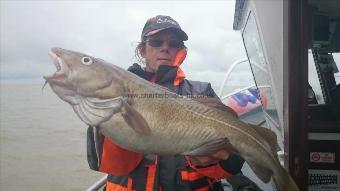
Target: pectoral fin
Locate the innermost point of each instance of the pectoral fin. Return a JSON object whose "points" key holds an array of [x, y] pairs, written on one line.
{"points": [[94, 111], [212, 147], [135, 120]]}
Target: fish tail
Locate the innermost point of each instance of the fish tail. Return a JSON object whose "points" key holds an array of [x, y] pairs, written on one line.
{"points": [[291, 186]]}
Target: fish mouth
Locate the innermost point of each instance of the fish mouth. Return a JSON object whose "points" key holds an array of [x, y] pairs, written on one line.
{"points": [[58, 81], [59, 64]]}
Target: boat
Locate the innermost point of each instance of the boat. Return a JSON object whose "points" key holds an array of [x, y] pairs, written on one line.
{"points": [[295, 43], [295, 88]]}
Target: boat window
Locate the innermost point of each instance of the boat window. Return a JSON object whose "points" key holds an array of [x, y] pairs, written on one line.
{"points": [[336, 57], [324, 86], [328, 65], [315, 94], [258, 64]]}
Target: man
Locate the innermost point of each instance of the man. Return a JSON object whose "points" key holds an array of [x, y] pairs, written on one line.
{"points": [[162, 50]]}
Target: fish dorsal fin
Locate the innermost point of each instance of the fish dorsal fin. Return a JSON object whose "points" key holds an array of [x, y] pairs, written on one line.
{"points": [[135, 120], [215, 103], [269, 136], [208, 108]]}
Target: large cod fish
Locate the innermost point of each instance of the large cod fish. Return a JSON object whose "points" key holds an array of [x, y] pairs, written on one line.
{"points": [[147, 118]]}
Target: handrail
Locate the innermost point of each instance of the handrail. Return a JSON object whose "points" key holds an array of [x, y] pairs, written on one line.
{"points": [[242, 89], [237, 62], [98, 185], [231, 68]]}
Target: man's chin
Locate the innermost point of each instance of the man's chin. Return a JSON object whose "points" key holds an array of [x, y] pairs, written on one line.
{"points": [[164, 63]]}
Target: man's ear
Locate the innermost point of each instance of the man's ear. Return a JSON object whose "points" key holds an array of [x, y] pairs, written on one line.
{"points": [[142, 51]]}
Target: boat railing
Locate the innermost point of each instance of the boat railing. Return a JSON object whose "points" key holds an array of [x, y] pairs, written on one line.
{"points": [[242, 89], [98, 185], [230, 70]]}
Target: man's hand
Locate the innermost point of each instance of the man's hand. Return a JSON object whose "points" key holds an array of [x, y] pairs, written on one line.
{"points": [[206, 160]]}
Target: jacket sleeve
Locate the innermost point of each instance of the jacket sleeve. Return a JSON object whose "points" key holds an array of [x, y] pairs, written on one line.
{"points": [[210, 92], [107, 157]]}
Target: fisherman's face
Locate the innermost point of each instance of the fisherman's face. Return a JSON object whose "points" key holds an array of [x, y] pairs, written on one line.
{"points": [[160, 49]]}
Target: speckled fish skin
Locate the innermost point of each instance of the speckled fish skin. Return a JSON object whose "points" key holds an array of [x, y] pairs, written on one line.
{"points": [[102, 93]]}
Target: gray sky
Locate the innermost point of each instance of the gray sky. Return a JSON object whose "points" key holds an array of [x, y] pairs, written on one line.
{"points": [[111, 30]]}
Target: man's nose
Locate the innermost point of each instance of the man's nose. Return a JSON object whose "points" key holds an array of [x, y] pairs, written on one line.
{"points": [[165, 46]]}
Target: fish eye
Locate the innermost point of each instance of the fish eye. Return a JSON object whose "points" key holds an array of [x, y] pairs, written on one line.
{"points": [[86, 60]]}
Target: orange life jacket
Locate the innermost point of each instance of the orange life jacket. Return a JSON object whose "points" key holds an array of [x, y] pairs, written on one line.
{"points": [[143, 172]]}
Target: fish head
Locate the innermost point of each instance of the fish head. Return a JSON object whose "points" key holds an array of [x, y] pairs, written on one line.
{"points": [[81, 75]]}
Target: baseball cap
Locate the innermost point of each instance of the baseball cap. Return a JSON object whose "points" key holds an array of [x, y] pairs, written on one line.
{"points": [[162, 22]]}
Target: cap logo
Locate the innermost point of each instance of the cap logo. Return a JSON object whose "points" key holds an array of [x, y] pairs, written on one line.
{"points": [[166, 20]]}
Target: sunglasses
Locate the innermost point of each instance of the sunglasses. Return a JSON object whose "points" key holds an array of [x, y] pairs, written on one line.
{"points": [[172, 43]]}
